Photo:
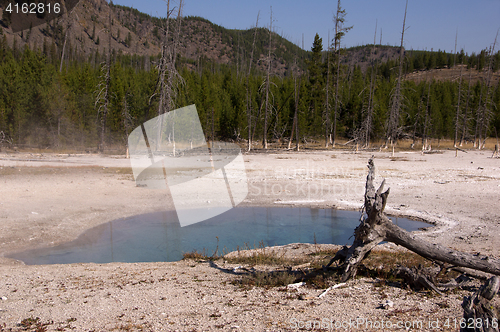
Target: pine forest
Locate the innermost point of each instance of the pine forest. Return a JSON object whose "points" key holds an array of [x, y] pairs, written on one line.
{"points": [[254, 88]]}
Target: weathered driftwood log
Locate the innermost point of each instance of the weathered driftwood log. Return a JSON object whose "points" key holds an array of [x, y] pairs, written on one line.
{"points": [[376, 227], [479, 314]]}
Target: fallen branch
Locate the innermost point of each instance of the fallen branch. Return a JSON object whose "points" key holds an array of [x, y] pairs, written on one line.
{"points": [[417, 280], [330, 288], [344, 144], [458, 149], [296, 285]]}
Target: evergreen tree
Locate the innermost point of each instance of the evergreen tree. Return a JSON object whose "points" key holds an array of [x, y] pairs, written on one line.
{"points": [[40, 106], [316, 86]]}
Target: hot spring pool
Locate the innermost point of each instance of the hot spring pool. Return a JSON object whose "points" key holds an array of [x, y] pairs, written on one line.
{"points": [[158, 237]]}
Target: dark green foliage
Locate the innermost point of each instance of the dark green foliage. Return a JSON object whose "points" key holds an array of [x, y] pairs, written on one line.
{"points": [[41, 107], [128, 40], [316, 86]]}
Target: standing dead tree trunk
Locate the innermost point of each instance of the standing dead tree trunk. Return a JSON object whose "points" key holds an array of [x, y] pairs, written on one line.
{"points": [[295, 125], [366, 126], [340, 31], [162, 86], [376, 227], [394, 115], [328, 135], [103, 99], [427, 118], [457, 118], [168, 77], [485, 113], [479, 108], [4, 139], [64, 45], [249, 102], [465, 121], [268, 83]]}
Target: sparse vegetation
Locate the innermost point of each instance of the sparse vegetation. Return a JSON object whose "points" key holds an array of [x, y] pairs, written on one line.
{"points": [[34, 324], [268, 268], [196, 255], [382, 266]]}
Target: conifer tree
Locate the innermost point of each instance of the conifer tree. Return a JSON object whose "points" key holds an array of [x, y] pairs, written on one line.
{"points": [[316, 86]]}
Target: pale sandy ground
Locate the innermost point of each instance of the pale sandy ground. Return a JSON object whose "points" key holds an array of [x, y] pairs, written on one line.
{"points": [[49, 199]]}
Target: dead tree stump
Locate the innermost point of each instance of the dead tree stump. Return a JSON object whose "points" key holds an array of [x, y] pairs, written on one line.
{"points": [[479, 314], [495, 151], [376, 227]]}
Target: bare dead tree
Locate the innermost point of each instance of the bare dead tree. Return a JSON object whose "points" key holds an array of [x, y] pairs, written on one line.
{"points": [[393, 129], [258, 116], [4, 139], [465, 121], [172, 71], [268, 83], [457, 117], [455, 53], [249, 104], [103, 98], [340, 31], [479, 110], [427, 117], [417, 120], [297, 96], [238, 56], [366, 127], [337, 76], [484, 112], [295, 125], [328, 136], [213, 128], [127, 117], [168, 76], [68, 28], [376, 227], [168, 90], [162, 86], [369, 118]]}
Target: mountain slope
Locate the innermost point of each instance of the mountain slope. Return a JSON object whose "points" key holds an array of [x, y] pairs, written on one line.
{"points": [[137, 33]]}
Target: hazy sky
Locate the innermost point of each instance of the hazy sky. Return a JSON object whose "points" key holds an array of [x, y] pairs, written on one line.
{"points": [[430, 23]]}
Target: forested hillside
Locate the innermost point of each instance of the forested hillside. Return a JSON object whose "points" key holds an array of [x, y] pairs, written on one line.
{"points": [[51, 100], [136, 33]]}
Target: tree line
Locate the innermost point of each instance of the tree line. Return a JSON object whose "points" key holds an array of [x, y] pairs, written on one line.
{"points": [[45, 105]]}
